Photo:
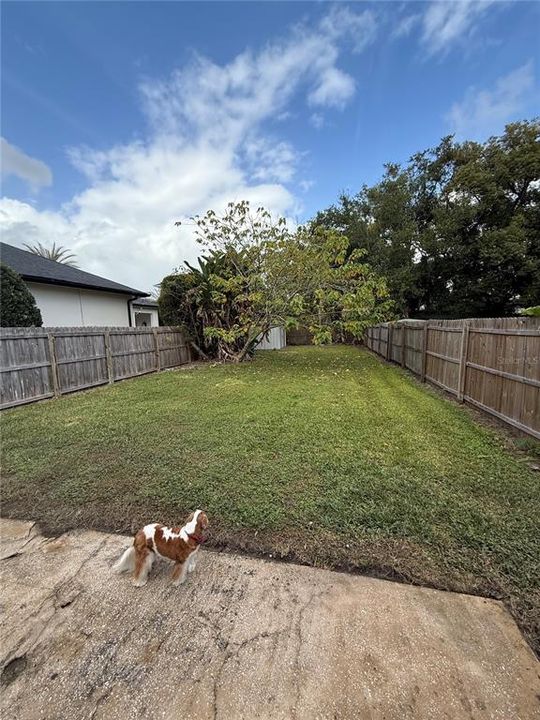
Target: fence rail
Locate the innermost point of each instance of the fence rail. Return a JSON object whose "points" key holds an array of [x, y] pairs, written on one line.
{"points": [[40, 363], [491, 363]]}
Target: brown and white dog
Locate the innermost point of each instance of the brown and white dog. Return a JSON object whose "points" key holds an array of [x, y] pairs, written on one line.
{"points": [[177, 544]]}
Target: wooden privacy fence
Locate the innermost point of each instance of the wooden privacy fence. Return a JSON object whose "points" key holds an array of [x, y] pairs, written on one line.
{"points": [[39, 363], [492, 363]]}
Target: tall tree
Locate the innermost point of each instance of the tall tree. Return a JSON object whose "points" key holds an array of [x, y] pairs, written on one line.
{"points": [[480, 241], [259, 274], [380, 221]]}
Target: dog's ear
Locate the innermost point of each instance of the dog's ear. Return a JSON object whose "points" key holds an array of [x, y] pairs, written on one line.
{"points": [[203, 521]]}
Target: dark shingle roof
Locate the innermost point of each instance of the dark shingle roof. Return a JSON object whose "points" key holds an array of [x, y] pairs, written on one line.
{"points": [[39, 269], [147, 301]]}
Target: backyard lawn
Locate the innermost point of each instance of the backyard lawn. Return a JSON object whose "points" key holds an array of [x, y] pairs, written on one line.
{"points": [[326, 456]]}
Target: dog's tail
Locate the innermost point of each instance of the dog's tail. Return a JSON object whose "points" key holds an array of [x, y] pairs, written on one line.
{"points": [[126, 562]]}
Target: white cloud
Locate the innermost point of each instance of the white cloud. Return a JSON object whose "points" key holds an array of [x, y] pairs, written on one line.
{"points": [[15, 162], [306, 185], [341, 21], [483, 112], [334, 89], [406, 25], [317, 120], [206, 146], [270, 159], [446, 23]]}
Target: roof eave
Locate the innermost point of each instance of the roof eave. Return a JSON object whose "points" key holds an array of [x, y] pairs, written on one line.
{"points": [[66, 283]]}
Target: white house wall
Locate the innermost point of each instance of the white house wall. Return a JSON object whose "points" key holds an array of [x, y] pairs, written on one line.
{"points": [[72, 307], [104, 308]]}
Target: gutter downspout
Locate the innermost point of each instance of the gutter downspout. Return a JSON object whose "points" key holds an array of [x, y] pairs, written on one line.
{"points": [[130, 319]]}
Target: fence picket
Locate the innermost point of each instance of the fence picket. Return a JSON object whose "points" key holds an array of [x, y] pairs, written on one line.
{"points": [[156, 343], [463, 362], [424, 352], [54, 367], [108, 354]]}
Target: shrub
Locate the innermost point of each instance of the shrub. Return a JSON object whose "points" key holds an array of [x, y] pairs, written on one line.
{"points": [[17, 304]]}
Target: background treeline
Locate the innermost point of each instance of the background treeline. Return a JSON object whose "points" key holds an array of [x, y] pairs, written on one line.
{"points": [[455, 232]]}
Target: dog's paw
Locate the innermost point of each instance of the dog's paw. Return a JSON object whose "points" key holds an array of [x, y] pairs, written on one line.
{"points": [[191, 568], [140, 582]]}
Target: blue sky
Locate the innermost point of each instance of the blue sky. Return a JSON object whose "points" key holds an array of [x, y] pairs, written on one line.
{"points": [[119, 118]]}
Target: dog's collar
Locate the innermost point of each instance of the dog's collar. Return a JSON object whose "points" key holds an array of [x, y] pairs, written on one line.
{"points": [[196, 538]]}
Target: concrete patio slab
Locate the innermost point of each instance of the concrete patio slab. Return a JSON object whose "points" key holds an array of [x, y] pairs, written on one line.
{"points": [[244, 638]]}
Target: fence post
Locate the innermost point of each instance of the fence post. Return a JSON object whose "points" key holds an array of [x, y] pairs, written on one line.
{"points": [[424, 351], [54, 366], [110, 373], [403, 346], [156, 342], [463, 362], [389, 342]]}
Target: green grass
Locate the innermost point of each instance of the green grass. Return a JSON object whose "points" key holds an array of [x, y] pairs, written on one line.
{"points": [[327, 456]]}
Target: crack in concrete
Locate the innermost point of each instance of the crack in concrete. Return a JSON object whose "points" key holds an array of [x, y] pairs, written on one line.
{"points": [[32, 637], [102, 698], [107, 676], [234, 649], [27, 538], [298, 632], [234, 653], [218, 637]]}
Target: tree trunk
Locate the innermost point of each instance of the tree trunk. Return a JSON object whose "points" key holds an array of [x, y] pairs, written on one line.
{"points": [[198, 350]]}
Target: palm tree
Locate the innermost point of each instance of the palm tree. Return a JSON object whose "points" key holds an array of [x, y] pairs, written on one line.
{"points": [[57, 253]]}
